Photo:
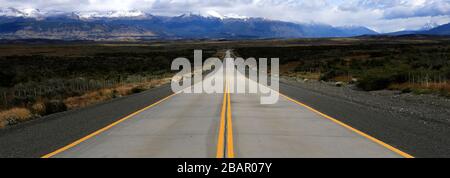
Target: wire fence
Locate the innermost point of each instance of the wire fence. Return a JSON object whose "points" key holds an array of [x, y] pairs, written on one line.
{"points": [[426, 79]]}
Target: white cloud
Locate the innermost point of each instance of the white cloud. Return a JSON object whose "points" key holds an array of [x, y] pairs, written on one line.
{"points": [[381, 15]]}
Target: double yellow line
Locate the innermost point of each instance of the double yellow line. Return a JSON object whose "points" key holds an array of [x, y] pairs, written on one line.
{"points": [[225, 146]]}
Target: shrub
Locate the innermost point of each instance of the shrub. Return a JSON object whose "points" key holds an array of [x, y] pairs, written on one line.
{"points": [[371, 83], [3, 124], [39, 108], [446, 72], [381, 78], [115, 94], [54, 106], [123, 90], [331, 74], [13, 116], [406, 90], [138, 89], [420, 91]]}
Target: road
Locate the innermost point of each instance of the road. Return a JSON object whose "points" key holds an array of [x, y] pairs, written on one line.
{"points": [[158, 123], [227, 125]]}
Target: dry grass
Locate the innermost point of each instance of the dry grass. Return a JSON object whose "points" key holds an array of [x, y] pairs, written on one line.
{"points": [[14, 115], [305, 75], [39, 108], [289, 67], [343, 78], [89, 98], [106, 94], [441, 88]]}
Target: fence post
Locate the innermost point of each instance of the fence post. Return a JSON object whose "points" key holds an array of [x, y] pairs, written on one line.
{"points": [[5, 99]]}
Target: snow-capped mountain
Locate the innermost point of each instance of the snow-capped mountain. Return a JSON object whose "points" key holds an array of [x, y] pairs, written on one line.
{"points": [[212, 15], [428, 29], [429, 25], [134, 24], [439, 30], [215, 14], [36, 13], [28, 12], [110, 14]]}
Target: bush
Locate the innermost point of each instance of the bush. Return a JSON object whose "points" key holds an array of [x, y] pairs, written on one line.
{"points": [[406, 90], [14, 116], [422, 91], [3, 124], [371, 83], [54, 106], [115, 94], [331, 74], [138, 89], [381, 78], [39, 108], [446, 71]]}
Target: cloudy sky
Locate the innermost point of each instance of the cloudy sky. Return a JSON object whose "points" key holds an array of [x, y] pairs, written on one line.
{"points": [[380, 15]]}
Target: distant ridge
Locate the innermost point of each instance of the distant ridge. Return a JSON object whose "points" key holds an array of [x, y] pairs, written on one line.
{"points": [[442, 30]]}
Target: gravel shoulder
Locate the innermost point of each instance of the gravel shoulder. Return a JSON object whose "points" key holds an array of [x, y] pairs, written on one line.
{"points": [[431, 109]]}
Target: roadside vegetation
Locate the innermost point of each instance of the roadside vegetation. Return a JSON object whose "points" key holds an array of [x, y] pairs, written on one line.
{"points": [[39, 80], [408, 65]]}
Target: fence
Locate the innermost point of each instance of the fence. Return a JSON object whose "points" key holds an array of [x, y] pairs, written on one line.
{"points": [[426, 79], [20, 94]]}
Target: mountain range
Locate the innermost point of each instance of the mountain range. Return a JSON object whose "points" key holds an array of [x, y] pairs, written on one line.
{"points": [[428, 29], [138, 25]]}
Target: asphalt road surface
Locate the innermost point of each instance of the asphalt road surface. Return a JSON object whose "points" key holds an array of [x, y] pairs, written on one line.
{"points": [[231, 125]]}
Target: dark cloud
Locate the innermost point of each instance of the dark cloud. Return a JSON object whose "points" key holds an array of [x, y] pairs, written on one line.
{"points": [[430, 8]]}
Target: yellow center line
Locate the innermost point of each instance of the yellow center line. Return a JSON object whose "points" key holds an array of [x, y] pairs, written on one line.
{"points": [[225, 139], [103, 129], [393, 149], [221, 138], [230, 145]]}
